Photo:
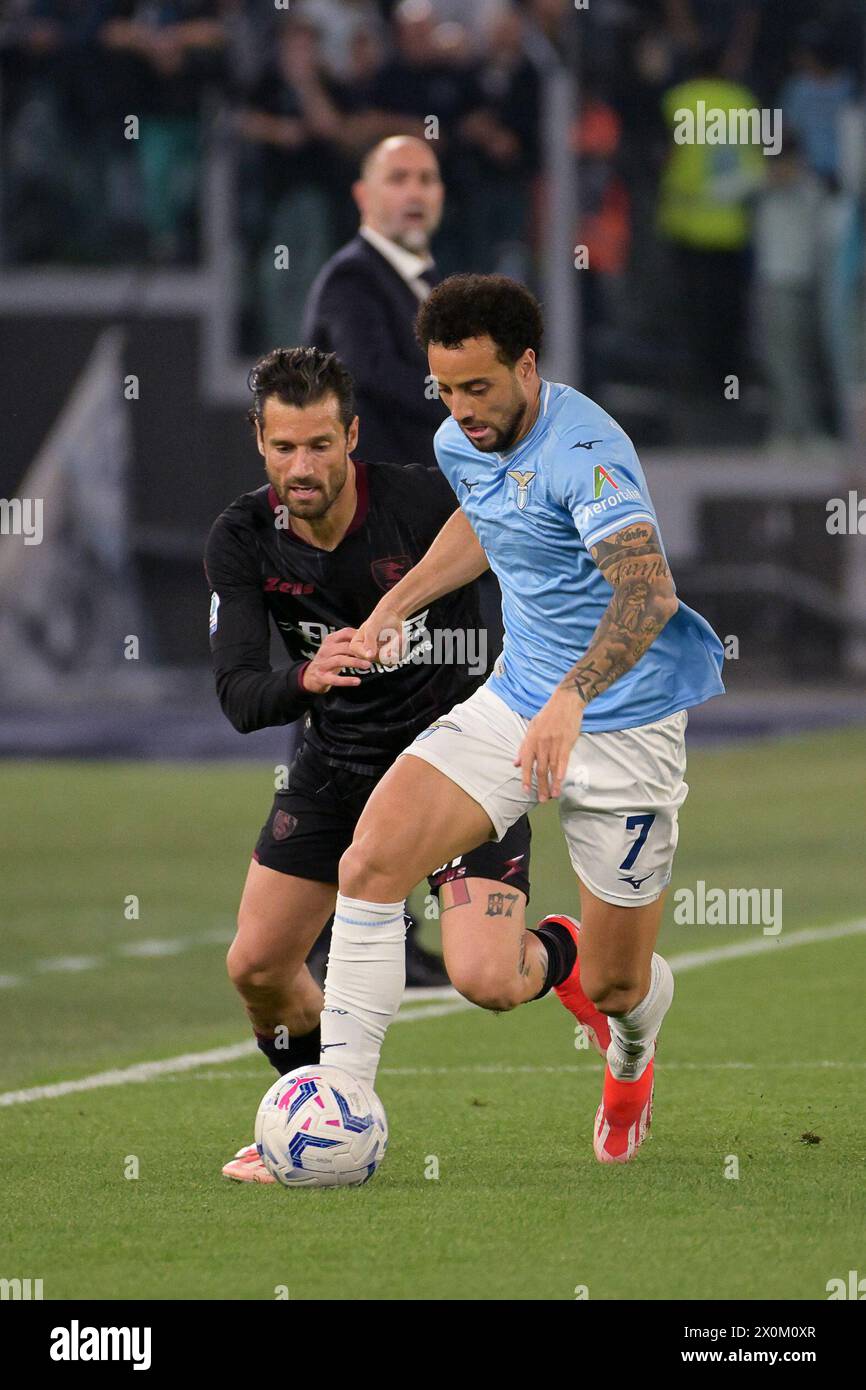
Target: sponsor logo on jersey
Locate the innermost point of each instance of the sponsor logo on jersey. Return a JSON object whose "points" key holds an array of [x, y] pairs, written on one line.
{"points": [[275, 585], [214, 613], [468, 486], [390, 571], [439, 724], [514, 866], [416, 641], [451, 869], [522, 480], [585, 443], [636, 882], [593, 510], [600, 476]]}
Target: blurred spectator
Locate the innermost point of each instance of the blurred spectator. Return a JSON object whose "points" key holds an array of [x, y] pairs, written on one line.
{"points": [[501, 139], [296, 124], [340, 23], [473, 19], [422, 78], [604, 229], [483, 119], [173, 51], [788, 228], [57, 143], [732, 24], [363, 303], [816, 100], [703, 213]]}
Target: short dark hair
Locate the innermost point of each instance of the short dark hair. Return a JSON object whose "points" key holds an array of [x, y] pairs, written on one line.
{"points": [[479, 306], [299, 376]]}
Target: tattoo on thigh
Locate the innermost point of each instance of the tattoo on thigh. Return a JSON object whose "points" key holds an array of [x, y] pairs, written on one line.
{"points": [[500, 904], [459, 895], [522, 965]]}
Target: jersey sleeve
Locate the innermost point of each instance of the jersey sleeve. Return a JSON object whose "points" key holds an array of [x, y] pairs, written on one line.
{"points": [[433, 494], [252, 694], [597, 476]]}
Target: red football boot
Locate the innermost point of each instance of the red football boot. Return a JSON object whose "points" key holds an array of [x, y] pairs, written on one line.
{"points": [[623, 1118], [569, 993]]}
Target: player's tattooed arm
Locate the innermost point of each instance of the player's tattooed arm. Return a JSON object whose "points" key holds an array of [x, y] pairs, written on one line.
{"points": [[644, 599]]}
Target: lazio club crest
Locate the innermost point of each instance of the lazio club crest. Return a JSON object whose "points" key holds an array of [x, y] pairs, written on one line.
{"points": [[522, 480]]}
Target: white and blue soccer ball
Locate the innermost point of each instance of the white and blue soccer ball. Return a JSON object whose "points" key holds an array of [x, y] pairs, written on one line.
{"points": [[321, 1127]]}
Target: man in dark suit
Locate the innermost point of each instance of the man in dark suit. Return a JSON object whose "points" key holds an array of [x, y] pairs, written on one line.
{"points": [[362, 304]]}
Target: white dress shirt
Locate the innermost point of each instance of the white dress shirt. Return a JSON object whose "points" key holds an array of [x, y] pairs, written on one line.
{"points": [[407, 265]]}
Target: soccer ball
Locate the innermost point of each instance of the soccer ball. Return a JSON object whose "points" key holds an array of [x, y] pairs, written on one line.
{"points": [[320, 1127]]}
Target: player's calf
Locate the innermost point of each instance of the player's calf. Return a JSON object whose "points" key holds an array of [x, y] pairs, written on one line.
{"points": [[271, 1000], [492, 958]]}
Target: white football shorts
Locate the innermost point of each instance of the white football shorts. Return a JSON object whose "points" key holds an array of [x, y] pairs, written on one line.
{"points": [[620, 795]]}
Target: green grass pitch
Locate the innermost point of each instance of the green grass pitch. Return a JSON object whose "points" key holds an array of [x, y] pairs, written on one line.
{"points": [[757, 1052]]}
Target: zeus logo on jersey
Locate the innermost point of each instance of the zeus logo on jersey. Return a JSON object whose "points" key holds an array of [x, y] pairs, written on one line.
{"points": [[522, 480], [416, 640]]}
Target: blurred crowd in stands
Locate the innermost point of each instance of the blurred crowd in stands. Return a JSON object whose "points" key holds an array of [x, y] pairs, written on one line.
{"points": [[730, 255]]}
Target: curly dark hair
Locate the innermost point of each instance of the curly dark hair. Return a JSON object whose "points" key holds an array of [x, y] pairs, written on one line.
{"points": [[478, 306], [299, 376]]}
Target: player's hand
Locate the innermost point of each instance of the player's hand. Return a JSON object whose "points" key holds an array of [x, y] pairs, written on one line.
{"points": [[548, 742], [333, 656], [380, 638]]}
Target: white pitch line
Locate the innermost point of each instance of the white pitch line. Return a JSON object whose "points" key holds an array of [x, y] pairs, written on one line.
{"points": [[579, 1070], [159, 948], [145, 949], [493, 1069], [188, 1061], [805, 936], [73, 964]]}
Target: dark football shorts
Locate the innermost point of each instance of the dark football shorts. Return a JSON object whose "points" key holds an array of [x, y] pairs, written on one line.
{"points": [[312, 823]]}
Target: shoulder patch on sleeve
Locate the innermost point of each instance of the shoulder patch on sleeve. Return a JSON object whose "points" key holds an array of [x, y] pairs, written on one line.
{"points": [[214, 612]]}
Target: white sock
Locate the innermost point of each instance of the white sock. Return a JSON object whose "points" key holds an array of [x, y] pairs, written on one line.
{"points": [[364, 983], [632, 1035]]}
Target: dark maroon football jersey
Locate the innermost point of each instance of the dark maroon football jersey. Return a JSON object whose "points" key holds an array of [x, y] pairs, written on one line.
{"points": [[258, 569]]}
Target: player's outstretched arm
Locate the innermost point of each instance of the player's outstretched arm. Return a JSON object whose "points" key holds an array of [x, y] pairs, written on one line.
{"points": [[643, 601], [455, 558]]}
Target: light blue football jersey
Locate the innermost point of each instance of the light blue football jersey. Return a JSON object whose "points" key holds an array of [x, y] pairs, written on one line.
{"points": [[537, 510]]}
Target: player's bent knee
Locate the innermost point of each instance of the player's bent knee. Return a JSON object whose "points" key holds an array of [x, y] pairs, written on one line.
{"points": [[251, 974], [487, 988], [368, 871]]}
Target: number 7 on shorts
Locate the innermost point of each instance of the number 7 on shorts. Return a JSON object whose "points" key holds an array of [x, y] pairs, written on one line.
{"points": [[632, 822]]}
